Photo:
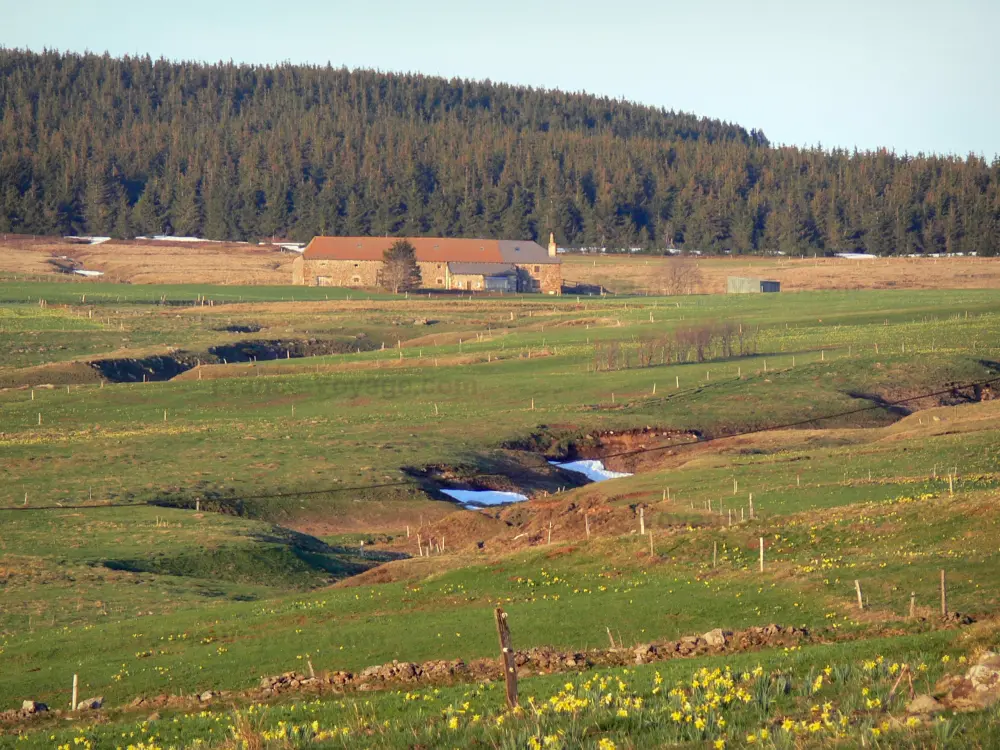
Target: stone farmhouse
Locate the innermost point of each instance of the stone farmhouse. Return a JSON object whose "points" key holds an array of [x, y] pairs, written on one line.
{"points": [[445, 263]]}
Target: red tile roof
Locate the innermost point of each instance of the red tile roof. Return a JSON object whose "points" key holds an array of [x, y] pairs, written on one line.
{"points": [[429, 249]]}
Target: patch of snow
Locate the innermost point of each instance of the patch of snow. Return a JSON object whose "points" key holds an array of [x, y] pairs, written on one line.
{"points": [[81, 272], [475, 499], [87, 239], [294, 247], [856, 256], [593, 470], [171, 238]]}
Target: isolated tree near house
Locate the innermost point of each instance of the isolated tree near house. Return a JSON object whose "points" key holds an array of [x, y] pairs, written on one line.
{"points": [[400, 272]]}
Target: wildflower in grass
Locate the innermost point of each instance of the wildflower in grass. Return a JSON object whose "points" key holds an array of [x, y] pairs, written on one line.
{"points": [[453, 722], [606, 744], [945, 659], [913, 721], [719, 744]]}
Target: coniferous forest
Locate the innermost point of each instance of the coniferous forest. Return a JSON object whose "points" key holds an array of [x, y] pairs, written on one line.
{"points": [[123, 147]]}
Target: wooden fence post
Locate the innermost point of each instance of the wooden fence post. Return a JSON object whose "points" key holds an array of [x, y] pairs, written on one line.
{"points": [[762, 554], [913, 604], [642, 521], [76, 695], [857, 589], [715, 553], [586, 520], [944, 597], [507, 657]]}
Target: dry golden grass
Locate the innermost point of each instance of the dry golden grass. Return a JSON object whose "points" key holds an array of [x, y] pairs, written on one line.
{"points": [[149, 262], [624, 274]]}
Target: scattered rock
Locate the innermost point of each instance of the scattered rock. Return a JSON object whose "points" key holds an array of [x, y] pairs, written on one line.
{"points": [[645, 653], [33, 707], [715, 638], [90, 704], [206, 696], [924, 704]]}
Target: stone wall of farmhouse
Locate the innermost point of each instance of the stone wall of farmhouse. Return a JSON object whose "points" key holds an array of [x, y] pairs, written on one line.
{"points": [[360, 273], [545, 278], [433, 275], [357, 273], [467, 281]]}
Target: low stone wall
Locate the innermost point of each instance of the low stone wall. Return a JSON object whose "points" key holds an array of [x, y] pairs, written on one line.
{"points": [[538, 661]]}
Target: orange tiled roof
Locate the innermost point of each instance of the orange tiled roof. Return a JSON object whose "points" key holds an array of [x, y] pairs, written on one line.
{"points": [[429, 249]]}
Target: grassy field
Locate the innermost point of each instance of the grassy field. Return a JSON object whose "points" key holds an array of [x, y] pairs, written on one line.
{"points": [[235, 521]]}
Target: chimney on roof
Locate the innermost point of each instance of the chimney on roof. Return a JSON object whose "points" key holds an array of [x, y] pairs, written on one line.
{"points": [[552, 245]]}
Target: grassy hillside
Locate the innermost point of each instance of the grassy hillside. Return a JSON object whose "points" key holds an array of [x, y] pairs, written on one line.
{"points": [[167, 538]]}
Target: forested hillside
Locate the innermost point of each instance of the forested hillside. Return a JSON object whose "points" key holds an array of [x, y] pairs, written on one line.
{"points": [[94, 144]]}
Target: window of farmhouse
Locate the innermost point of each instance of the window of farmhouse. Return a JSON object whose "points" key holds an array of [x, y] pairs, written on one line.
{"points": [[537, 269], [440, 281], [355, 279]]}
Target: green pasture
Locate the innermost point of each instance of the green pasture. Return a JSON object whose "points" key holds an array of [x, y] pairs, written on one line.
{"points": [[150, 599]]}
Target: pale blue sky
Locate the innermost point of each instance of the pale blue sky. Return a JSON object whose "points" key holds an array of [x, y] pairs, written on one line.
{"points": [[910, 75]]}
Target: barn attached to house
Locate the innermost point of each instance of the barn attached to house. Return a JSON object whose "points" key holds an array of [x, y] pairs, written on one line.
{"points": [[445, 263], [745, 285]]}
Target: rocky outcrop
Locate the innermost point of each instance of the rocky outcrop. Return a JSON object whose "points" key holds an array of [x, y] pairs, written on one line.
{"points": [[978, 688]]}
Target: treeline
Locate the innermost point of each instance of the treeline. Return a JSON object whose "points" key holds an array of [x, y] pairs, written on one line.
{"points": [[97, 145]]}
